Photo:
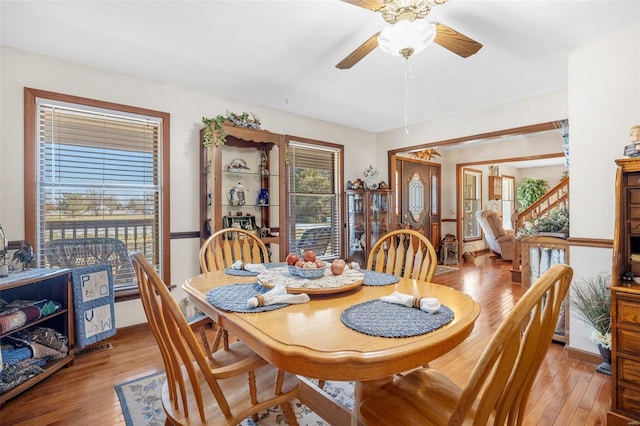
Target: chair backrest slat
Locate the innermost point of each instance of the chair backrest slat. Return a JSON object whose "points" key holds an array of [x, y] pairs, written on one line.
{"points": [[501, 381], [228, 245], [405, 253]]}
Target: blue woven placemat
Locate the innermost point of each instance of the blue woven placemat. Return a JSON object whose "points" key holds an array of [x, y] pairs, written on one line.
{"points": [[244, 273], [374, 278], [234, 298], [382, 319]]}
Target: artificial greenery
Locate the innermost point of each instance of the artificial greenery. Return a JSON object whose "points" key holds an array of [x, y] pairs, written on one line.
{"points": [[214, 126], [530, 191], [214, 131], [591, 300], [556, 221]]}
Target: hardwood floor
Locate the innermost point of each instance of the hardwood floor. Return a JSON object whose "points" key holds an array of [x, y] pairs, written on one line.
{"points": [[566, 392]]}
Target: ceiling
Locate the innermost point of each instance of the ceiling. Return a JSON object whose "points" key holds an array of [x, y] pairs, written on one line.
{"points": [[282, 54]]}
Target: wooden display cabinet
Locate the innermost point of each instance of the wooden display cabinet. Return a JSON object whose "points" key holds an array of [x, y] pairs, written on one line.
{"points": [[625, 298], [368, 217], [255, 160], [495, 187], [53, 285]]}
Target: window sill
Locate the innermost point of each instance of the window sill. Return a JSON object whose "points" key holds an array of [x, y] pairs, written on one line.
{"points": [[131, 294]]}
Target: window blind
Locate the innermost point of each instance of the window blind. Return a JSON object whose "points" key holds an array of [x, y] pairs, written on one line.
{"points": [[98, 176], [472, 202], [313, 198]]}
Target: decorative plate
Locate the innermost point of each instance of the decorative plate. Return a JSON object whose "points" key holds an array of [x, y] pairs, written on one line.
{"points": [[326, 284]]}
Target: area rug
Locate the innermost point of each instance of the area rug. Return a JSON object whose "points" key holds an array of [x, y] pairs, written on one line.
{"points": [[441, 269], [141, 404]]}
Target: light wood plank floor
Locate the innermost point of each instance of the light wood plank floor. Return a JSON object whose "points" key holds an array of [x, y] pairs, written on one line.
{"points": [[566, 392]]}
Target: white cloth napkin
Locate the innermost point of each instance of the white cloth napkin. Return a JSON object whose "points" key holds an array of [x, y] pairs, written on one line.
{"points": [[251, 267], [427, 304], [277, 294]]}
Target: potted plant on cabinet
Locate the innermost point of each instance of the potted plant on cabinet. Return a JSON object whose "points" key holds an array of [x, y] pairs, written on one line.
{"points": [[591, 300]]}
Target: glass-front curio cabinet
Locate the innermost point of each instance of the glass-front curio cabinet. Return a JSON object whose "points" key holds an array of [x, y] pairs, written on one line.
{"points": [[368, 217]]}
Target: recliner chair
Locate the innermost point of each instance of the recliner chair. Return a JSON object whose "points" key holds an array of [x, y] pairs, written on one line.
{"points": [[500, 241]]}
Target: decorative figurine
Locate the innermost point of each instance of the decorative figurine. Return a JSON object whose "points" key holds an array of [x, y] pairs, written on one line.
{"points": [[371, 178], [237, 195], [24, 255]]}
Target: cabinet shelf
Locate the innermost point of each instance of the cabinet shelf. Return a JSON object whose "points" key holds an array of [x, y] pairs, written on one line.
{"points": [[43, 284], [57, 313]]}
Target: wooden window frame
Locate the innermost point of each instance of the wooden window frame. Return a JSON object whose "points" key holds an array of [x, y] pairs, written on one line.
{"points": [[31, 172]]}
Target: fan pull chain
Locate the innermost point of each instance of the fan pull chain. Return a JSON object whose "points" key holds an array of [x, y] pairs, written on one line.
{"points": [[406, 93]]}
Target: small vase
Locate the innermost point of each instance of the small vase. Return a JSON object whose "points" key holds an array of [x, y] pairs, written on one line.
{"points": [[605, 366], [263, 197]]}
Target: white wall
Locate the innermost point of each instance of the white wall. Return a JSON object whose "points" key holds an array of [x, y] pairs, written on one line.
{"points": [[20, 69], [604, 103]]}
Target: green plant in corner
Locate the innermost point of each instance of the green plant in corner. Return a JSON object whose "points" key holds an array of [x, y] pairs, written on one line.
{"points": [[214, 131], [530, 191], [591, 301]]}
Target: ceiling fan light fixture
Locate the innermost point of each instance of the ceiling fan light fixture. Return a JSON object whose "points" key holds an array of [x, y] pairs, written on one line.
{"points": [[405, 38], [407, 10]]}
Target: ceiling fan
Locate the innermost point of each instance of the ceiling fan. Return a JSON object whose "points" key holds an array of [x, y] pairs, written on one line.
{"points": [[409, 32]]}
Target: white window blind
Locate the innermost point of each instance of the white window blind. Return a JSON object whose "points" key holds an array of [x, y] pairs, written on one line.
{"points": [[99, 178], [314, 216], [472, 202]]}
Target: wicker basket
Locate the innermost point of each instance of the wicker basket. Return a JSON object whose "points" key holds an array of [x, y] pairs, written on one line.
{"points": [[468, 254]]}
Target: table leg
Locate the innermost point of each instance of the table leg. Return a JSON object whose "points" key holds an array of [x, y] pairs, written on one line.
{"points": [[364, 389]]}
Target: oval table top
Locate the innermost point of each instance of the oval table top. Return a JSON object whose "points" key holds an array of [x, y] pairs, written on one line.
{"points": [[310, 339]]}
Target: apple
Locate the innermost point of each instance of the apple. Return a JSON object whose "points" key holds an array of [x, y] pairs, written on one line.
{"points": [[337, 266], [300, 263], [309, 265], [292, 259], [309, 256], [319, 263]]}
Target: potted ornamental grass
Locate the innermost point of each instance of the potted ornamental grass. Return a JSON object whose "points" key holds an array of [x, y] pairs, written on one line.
{"points": [[591, 302]]}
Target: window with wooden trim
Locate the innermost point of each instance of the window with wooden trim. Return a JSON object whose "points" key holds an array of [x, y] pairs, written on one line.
{"points": [[472, 202], [315, 176], [101, 183], [508, 200]]}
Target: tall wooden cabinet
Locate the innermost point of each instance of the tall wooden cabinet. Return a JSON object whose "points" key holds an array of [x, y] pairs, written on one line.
{"points": [[242, 184], [625, 298], [368, 217]]}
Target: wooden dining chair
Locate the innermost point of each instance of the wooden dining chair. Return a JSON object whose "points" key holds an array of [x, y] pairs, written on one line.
{"points": [[221, 250], [405, 253], [499, 386], [228, 245], [225, 389]]}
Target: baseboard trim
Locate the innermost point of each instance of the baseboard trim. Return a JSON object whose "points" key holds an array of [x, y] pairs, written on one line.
{"points": [[585, 356]]}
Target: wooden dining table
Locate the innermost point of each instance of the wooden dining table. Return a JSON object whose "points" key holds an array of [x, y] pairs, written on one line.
{"points": [[310, 340]]}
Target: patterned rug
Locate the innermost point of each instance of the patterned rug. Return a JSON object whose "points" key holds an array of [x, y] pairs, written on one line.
{"points": [[141, 404], [441, 269]]}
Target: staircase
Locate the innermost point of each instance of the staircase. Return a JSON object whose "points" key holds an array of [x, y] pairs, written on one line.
{"points": [[558, 196]]}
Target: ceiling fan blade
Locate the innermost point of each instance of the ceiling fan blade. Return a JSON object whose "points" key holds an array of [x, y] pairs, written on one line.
{"points": [[367, 4], [361, 51], [456, 42]]}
